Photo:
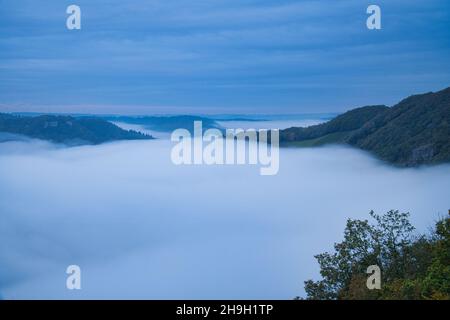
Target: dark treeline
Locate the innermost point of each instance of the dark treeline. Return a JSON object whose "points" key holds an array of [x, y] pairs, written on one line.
{"points": [[412, 266]]}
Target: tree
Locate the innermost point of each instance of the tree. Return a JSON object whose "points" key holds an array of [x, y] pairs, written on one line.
{"points": [[411, 267]]}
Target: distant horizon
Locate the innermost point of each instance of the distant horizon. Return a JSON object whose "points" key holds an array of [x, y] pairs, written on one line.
{"points": [[148, 110], [214, 116]]}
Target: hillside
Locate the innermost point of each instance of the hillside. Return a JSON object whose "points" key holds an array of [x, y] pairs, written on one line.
{"points": [[66, 129], [413, 132], [334, 130]]}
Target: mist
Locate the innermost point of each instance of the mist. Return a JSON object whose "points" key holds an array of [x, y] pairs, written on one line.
{"points": [[142, 228]]}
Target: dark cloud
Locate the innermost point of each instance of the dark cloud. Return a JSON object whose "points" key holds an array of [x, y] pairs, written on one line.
{"points": [[292, 56]]}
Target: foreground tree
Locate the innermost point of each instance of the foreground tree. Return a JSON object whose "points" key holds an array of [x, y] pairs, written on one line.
{"points": [[411, 267]]}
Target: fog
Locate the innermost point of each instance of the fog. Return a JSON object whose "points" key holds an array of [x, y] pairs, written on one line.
{"points": [[141, 227]]}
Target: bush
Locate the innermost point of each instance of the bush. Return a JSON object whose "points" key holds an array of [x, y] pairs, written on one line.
{"points": [[411, 267]]}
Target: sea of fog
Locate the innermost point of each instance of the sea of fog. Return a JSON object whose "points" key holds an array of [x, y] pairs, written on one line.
{"points": [[141, 227]]}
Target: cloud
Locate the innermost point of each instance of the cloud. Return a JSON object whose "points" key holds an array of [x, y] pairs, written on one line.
{"points": [[189, 53]]}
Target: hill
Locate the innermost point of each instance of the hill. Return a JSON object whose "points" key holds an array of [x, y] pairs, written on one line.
{"points": [[415, 131], [66, 129], [166, 123]]}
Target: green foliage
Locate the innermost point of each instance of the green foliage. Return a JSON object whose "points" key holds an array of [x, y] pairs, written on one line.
{"points": [[343, 125], [66, 129], [413, 132], [412, 267], [436, 284], [336, 138]]}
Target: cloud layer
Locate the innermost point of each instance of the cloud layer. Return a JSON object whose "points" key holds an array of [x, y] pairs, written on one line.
{"points": [[248, 56]]}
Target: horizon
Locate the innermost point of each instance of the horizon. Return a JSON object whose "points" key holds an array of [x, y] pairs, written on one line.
{"points": [[145, 111], [215, 116]]}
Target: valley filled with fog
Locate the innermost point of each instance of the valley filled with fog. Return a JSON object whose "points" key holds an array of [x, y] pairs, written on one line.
{"points": [[141, 227]]}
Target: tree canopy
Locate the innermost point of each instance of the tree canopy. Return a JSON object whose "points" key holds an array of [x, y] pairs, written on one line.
{"points": [[412, 267]]}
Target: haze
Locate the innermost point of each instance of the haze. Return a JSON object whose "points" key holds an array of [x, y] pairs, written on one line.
{"points": [[141, 227]]}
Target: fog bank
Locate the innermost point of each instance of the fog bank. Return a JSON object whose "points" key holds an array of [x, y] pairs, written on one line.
{"points": [[141, 227]]}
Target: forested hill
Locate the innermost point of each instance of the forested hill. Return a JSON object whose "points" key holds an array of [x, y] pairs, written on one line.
{"points": [[413, 132], [66, 129]]}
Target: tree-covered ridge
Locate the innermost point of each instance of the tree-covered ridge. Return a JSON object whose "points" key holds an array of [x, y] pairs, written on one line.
{"points": [[67, 129], [412, 267], [345, 123], [413, 132]]}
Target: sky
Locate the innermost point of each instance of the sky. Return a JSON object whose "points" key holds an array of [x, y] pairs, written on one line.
{"points": [[140, 227], [221, 56]]}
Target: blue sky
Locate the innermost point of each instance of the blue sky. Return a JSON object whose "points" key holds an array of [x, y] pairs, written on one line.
{"points": [[219, 56]]}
